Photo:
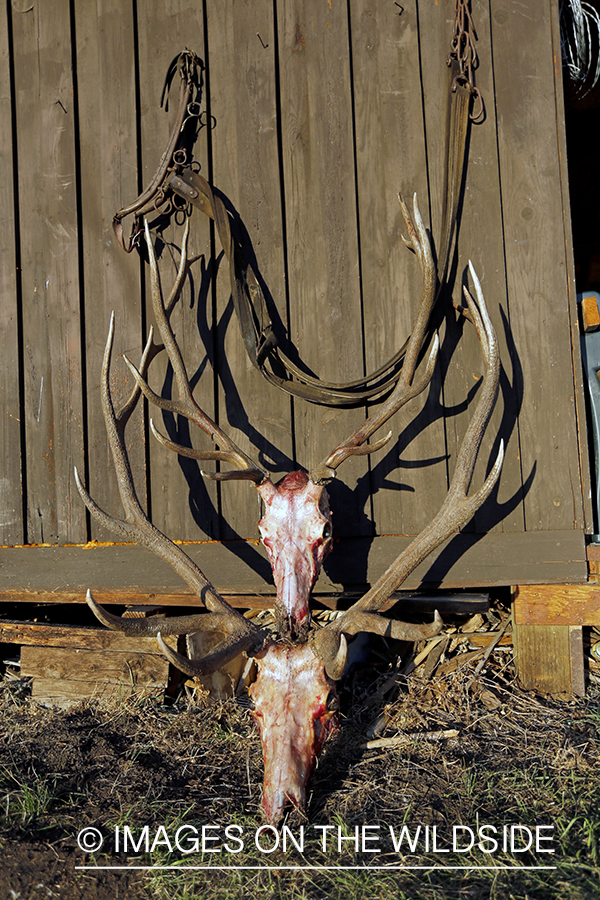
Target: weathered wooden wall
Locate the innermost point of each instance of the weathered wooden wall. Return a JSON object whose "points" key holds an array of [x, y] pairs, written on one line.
{"points": [[321, 112]]}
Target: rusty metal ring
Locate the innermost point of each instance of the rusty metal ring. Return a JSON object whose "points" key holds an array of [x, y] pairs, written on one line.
{"points": [[477, 118], [202, 118]]}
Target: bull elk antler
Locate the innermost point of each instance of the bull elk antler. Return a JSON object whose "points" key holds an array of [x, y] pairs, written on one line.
{"points": [[457, 509], [296, 553], [239, 633]]}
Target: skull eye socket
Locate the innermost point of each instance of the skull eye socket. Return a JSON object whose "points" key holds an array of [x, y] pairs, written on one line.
{"points": [[326, 531]]}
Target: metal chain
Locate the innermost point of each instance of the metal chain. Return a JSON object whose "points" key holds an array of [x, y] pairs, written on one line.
{"points": [[464, 54]]}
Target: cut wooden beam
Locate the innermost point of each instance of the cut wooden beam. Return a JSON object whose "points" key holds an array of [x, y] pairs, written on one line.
{"points": [[34, 633], [590, 316], [549, 658], [126, 667], [465, 562], [557, 604]]}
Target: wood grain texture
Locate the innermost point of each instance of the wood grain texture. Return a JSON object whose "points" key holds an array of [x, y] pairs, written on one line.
{"points": [[466, 561], [578, 377], [409, 476], [321, 113], [183, 505], [479, 239], [245, 166], [557, 604], [28, 633], [129, 668], [12, 527], [322, 236], [549, 658], [49, 234], [536, 265], [104, 34]]}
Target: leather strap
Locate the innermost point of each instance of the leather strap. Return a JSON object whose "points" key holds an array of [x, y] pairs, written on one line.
{"points": [[459, 108], [177, 183], [253, 316]]}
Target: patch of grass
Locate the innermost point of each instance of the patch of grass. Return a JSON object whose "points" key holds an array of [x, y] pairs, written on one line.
{"points": [[26, 803], [527, 761]]}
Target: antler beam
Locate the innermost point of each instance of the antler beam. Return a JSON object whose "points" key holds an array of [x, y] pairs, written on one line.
{"points": [[245, 467], [241, 633], [406, 388]]}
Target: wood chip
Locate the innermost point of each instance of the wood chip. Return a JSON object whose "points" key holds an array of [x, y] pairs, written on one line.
{"points": [[434, 657], [473, 624], [457, 662], [399, 739]]}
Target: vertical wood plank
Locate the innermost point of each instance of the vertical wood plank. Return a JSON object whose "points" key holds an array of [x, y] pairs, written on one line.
{"points": [[480, 239], [409, 476], [550, 658], [107, 118], [50, 272], [322, 237], [245, 167], [536, 262], [567, 218], [11, 501], [183, 505]]}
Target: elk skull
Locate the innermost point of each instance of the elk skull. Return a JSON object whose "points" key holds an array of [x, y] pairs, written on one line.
{"points": [[295, 707], [296, 531]]}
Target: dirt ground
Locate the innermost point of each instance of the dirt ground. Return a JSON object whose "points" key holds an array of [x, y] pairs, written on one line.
{"points": [[471, 750]]}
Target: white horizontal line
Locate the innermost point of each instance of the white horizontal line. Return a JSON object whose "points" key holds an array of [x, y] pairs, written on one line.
{"points": [[317, 868]]}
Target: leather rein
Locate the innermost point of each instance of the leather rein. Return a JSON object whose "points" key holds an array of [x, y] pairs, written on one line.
{"points": [[177, 184]]}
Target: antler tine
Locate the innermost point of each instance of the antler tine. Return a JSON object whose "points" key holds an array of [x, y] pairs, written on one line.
{"points": [[406, 388], [137, 527], [232, 644], [186, 406], [454, 513]]}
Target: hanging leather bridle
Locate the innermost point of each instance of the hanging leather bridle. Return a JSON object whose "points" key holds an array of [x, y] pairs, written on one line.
{"points": [[178, 184]]}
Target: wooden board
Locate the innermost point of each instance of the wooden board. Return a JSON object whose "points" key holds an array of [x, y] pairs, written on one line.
{"points": [[322, 273], [245, 166], [127, 668], [408, 477], [321, 113], [12, 529], [557, 604], [536, 267], [182, 504], [105, 51], [549, 658], [466, 561], [80, 638], [52, 404]]}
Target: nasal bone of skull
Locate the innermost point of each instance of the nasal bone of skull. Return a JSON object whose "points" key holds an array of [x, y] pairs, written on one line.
{"points": [[285, 791], [294, 580], [289, 757]]}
